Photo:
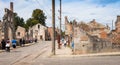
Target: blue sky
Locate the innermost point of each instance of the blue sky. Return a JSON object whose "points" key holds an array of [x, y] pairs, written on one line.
{"points": [[104, 11]]}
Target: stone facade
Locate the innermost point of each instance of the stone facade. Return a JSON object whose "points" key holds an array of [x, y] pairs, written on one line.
{"points": [[81, 41], [20, 32], [88, 41], [50, 33], [1, 31], [37, 31], [68, 27], [8, 25]]}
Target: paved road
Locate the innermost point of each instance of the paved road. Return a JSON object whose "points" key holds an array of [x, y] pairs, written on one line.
{"points": [[107, 60], [37, 55], [24, 54]]}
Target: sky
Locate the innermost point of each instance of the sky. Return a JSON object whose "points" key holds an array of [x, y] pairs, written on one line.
{"points": [[103, 11]]}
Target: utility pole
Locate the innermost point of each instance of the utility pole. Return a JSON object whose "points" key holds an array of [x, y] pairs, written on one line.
{"points": [[60, 18], [53, 24]]}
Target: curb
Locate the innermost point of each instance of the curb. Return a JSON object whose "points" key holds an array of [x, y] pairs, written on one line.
{"points": [[90, 55]]}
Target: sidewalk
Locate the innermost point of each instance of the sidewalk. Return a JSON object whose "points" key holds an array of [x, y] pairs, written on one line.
{"points": [[90, 55], [67, 52], [64, 51]]}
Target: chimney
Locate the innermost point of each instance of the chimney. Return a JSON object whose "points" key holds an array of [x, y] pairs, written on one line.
{"points": [[11, 6]]}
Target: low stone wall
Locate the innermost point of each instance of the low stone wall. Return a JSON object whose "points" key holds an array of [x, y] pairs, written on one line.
{"points": [[93, 45]]}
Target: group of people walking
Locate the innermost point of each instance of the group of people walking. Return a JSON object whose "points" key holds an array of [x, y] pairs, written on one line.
{"points": [[66, 41], [7, 43]]}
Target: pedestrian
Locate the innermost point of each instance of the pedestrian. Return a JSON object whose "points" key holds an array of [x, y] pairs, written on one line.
{"points": [[3, 44], [68, 42], [62, 40], [65, 43], [14, 42], [58, 40], [8, 45], [20, 41], [23, 42], [72, 46], [35, 40]]}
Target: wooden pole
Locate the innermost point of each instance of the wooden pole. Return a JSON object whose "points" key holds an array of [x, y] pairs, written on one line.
{"points": [[53, 24]]}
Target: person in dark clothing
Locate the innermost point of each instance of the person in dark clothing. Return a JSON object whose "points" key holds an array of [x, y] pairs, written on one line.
{"points": [[58, 40], [20, 41], [3, 44], [23, 42], [36, 40]]}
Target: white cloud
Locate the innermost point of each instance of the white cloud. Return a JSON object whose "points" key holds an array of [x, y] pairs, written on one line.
{"points": [[88, 11], [82, 10]]}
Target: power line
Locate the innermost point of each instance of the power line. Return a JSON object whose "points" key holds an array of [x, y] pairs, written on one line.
{"points": [[47, 12], [43, 8]]}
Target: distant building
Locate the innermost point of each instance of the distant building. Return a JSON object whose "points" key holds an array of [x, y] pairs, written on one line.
{"points": [[37, 31], [50, 33], [20, 32]]}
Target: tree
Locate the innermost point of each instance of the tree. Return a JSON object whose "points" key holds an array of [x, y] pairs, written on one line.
{"points": [[29, 22], [18, 21], [39, 16]]}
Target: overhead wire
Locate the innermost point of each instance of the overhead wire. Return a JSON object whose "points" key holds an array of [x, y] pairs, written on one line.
{"points": [[43, 7]]}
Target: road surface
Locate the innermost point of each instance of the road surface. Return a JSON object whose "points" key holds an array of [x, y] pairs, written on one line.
{"points": [[37, 54]]}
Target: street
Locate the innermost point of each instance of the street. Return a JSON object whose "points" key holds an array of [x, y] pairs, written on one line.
{"points": [[26, 54], [37, 54]]}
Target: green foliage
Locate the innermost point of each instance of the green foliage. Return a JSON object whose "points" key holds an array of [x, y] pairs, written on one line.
{"points": [[26, 27], [18, 21], [29, 23], [38, 16]]}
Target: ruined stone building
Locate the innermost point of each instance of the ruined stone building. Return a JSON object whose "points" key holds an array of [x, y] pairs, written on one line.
{"points": [[8, 23], [88, 37], [68, 27], [97, 29], [1, 31]]}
